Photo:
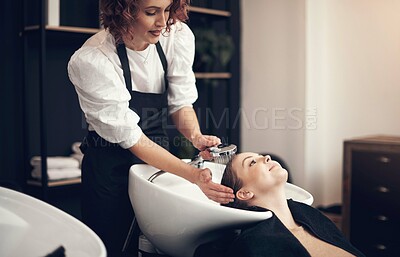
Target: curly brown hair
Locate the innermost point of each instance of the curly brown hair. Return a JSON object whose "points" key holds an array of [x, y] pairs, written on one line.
{"points": [[118, 15]]}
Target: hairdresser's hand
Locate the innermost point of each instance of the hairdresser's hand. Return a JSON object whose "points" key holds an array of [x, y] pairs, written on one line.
{"points": [[202, 142], [213, 191]]}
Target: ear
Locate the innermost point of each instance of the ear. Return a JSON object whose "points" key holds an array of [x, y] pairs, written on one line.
{"points": [[244, 194]]}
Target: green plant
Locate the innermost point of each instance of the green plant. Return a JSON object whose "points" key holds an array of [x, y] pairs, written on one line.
{"points": [[213, 51]]}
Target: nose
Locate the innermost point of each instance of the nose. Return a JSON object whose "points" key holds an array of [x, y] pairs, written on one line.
{"points": [[267, 158], [161, 21]]}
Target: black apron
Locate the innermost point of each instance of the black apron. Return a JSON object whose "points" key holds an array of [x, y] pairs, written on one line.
{"points": [[106, 207]]}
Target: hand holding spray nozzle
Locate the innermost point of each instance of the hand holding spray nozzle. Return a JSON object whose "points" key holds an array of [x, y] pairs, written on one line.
{"points": [[219, 154]]}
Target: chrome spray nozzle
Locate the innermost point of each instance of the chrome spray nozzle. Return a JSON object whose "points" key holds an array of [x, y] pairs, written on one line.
{"points": [[223, 153], [219, 154]]}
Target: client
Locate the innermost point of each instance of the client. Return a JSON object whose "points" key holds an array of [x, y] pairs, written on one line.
{"points": [[295, 229]]}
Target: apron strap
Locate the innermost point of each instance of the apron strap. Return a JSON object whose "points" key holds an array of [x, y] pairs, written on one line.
{"points": [[125, 65], [164, 63], [121, 50]]}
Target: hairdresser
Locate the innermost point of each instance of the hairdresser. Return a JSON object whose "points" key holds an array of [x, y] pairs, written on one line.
{"points": [[128, 78]]}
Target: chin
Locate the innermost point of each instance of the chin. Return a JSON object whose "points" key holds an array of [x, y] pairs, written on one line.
{"points": [[284, 174], [153, 40]]}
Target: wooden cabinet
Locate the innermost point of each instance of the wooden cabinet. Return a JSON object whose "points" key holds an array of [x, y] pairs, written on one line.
{"points": [[371, 194]]}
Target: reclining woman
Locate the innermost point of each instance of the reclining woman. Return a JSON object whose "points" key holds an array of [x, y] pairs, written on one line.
{"points": [[295, 229]]}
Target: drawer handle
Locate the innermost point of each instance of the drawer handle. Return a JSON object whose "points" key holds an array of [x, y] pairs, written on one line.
{"points": [[384, 159], [382, 189], [380, 247], [382, 218]]}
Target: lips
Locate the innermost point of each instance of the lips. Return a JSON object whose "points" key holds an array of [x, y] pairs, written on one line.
{"points": [[155, 33], [271, 167]]}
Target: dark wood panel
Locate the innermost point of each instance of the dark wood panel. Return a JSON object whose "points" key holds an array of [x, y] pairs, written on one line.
{"points": [[371, 210], [79, 13], [11, 90]]}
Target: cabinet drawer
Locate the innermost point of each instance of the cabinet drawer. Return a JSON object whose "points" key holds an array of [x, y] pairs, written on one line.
{"points": [[376, 164], [376, 178], [377, 158], [380, 225], [379, 198], [377, 248]]}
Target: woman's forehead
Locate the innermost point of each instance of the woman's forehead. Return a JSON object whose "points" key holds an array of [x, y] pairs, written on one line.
{"points": [[246, 154], [154, 3], [242, 157]]}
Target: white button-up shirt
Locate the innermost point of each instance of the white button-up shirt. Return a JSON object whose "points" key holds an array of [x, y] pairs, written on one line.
{"points": [[96, 72]]}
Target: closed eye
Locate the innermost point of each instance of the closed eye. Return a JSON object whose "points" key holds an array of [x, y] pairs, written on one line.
{"points": [[252, 163], [152, 13]]}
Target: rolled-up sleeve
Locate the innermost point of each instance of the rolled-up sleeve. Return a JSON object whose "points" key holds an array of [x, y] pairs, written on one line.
{"points": [[182, 82], [103, 97]]}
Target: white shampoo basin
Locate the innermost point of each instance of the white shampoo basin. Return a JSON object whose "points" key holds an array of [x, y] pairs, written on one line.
{"points": [[30, 227], [177, 217]]}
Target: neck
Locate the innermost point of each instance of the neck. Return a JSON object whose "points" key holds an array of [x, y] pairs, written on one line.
{"points": [[276, 202], [136, 46]]}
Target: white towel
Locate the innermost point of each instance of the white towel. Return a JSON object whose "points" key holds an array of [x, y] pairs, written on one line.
{"points": [[55, 162], [56, 174], [78, 157], [75, 148]]}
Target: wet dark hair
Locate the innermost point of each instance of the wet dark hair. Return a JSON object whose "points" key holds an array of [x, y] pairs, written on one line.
{"points": [[231, 179], [118, 15]]}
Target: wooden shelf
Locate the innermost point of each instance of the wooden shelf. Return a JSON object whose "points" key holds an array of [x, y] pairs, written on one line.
{"points": [[73, 29], [65, 29], [213, 75], [30, 28], [55, 183], [209, 11]]}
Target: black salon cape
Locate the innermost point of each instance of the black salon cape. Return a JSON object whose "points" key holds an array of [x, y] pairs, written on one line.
{"points": [[270, 238]]}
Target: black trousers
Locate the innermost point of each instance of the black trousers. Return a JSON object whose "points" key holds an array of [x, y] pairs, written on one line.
{"points": [[106, 207]]}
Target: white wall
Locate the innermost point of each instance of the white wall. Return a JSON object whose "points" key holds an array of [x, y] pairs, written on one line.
{"points": [[273, 77], [338, 57]]}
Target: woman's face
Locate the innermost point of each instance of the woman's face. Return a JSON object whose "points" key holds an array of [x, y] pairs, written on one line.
{"points": [[150, 22], [259, 172]]}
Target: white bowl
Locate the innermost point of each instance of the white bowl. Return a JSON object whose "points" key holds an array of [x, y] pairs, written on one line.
{"points": [[30, 227], [177, 217]]}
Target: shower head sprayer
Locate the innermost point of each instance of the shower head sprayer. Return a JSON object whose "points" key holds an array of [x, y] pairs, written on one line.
{"points": [[219, 154], [223, 153]]}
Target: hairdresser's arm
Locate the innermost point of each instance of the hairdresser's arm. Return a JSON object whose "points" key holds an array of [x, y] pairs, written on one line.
{"points": [[151, 153], [186, 121]]}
